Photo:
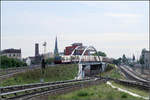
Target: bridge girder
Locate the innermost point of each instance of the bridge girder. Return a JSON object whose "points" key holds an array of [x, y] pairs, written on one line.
{"points": [[84, 48]]}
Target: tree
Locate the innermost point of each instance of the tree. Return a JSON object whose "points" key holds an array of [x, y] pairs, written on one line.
{"points": [[133, 58], [11, 62], [142, 63], [49, 60], [124, 59], [141, 60], [100, 53], [117, 61]]}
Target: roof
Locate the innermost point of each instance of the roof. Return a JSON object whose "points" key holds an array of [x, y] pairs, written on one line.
{"points": [[77, 44], [11, 51]]}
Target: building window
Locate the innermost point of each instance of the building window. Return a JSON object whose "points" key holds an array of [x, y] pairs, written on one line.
{"points": [[9, 55]]}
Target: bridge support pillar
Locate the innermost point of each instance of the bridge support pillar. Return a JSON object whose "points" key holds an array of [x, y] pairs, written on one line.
{"points": [[89, 69]]}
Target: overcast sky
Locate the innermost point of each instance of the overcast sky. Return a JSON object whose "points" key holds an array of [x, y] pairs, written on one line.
{"points": [[116, 28]]}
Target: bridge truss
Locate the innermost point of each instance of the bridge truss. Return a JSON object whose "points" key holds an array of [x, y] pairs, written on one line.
{"points": [[86, 59], [88, 55]]}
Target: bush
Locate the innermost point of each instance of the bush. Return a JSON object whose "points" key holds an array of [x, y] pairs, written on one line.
{"points": [[82, 93], [11, 62], [110, 67], [50, 60], [124, 95]]}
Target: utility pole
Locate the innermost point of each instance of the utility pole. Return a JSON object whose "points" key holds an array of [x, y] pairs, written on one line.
{"points": [[44, 45], [43, 63], [149, 91]]}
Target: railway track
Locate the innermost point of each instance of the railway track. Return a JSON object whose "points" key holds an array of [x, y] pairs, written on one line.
{"points": [[135, 73], [29, 90], [133, 76], [10, 70], [6, 73], [139, 85], [25, 86]]}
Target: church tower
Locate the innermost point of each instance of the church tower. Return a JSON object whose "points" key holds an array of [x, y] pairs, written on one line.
{"points": [[56, 48]]}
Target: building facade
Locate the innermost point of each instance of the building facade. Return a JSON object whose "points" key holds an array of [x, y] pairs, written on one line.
{"points": [[68, 50], [12, 53], [36, 49], [49, 55], [145, 54]]}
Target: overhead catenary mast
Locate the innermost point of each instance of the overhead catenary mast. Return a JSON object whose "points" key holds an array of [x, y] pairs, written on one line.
{"points": [[44, 45]]}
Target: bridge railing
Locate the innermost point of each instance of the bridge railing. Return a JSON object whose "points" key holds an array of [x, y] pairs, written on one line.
{"points": [[85, 58]]}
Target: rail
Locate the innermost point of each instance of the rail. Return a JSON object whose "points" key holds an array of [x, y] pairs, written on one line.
{"points": [[10, 70], [135, 73], [17, 87], [29, 90], [19, 91], [135, 77], [139, 85]]}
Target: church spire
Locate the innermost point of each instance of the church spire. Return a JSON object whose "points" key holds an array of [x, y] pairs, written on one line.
{"points": [[56, 48]]}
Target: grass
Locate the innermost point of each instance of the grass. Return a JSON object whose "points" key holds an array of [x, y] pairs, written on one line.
{"points": [[99, 92], [132, 89], [112, 72], [67, 72], [56, 73], [2, 72]]}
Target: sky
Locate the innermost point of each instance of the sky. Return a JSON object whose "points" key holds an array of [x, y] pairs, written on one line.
{"points": [[113, 27]]}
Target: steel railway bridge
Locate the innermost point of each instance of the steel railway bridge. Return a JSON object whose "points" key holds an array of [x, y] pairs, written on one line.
{"points": [[89, 63]]}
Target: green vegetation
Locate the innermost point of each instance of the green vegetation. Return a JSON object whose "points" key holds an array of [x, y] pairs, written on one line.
{"points": [[142, 60], [3, 72], [132, 89], [100, 53], [124, 59], [112, 72], [133, 58], [109, 67], [49, 60], [99, 92], [54, 73], [117, 61], [11, 62]]}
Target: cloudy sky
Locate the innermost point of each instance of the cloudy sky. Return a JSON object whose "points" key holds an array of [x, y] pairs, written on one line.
{"points": [[116, 28]]}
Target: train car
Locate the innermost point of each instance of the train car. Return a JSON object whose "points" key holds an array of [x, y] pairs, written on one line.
{"points": [[57, 60]]}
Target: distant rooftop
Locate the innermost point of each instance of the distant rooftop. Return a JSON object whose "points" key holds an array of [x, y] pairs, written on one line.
{"points": [[77, 44], [145, 51], [11, 50]]}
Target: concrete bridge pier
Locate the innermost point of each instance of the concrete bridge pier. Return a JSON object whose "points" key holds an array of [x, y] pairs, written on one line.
{"points": [[89, 69]]}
